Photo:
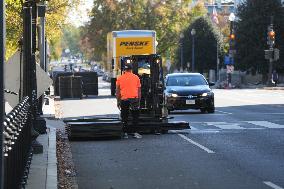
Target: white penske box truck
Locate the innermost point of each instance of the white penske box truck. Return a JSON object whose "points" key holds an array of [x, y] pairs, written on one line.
{"points": [[127, 43]]}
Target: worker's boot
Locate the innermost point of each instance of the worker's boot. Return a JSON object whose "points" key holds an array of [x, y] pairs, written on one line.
{"points": [[124, 129]]}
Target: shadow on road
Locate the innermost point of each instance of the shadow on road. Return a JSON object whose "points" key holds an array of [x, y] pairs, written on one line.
{"points": [[186, 112], [99, 97]]}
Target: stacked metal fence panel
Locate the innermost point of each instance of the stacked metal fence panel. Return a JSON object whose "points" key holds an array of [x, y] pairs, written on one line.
{"points": [[90, 82], [55, 77], [62, 87], [70, 87], [17, 146]]}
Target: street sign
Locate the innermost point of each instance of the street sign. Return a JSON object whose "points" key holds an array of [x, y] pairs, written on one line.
{"points": [[168, 63], [272, 54], [232, 52], [228, 60], [276, 54], [268, 54], [230, 68]]}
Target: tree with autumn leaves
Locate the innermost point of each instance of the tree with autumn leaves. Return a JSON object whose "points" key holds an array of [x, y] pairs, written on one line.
{"points": [[166, 17]]}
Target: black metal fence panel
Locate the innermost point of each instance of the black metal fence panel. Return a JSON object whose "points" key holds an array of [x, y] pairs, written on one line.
{"points": [[17, 145]]}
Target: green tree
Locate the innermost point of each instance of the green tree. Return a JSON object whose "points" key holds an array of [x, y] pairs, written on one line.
{"points": [[206, 38], [251, 34], [71, 39], [167, 18], [56, 17]]}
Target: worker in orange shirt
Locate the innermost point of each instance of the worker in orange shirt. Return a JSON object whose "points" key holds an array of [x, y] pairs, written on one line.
{"points": [[128, 94]]}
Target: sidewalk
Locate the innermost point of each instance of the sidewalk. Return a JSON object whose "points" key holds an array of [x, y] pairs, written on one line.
{"points": [[218, 85], [43, 170]]}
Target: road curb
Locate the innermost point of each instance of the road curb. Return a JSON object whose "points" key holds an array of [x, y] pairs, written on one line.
{"points": [[273, 88], [51, 171]]}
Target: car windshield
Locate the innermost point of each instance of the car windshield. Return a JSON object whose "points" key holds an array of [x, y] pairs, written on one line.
{"points": [[186, 80]]}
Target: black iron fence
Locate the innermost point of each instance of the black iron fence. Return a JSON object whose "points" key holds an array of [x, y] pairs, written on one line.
{"points": [[17, 146]]}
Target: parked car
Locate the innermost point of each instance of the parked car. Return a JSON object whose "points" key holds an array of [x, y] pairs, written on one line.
{"points": [[100, 72], [106, 77], [189, 91]]}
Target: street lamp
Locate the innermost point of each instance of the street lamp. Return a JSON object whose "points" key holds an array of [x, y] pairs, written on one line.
{"points": [[181, 36], [193, 32], [232, 50]]}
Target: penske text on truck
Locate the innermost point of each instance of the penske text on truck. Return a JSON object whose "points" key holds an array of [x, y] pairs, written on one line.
{"points": [[127, 43]]}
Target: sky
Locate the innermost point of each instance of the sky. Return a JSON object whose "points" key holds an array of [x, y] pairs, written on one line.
{"points": [[78, 18]]}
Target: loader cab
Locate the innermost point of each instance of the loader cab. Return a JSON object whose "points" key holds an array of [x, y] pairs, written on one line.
{"points": [[149, 69], [143, 64]]}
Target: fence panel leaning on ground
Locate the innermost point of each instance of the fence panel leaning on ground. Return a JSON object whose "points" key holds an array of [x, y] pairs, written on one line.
{"points": [[17, 145]]}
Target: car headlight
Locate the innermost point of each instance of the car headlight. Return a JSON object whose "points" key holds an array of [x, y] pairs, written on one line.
{"points": [[206, 94], [172, 95]]}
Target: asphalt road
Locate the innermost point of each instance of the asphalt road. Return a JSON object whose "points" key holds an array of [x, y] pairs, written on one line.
{"points": [[240, 146]]}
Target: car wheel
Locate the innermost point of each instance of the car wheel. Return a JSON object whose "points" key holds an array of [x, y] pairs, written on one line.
{"points": [[169, 111], [203, 110], [165, 131], [211, 110]]}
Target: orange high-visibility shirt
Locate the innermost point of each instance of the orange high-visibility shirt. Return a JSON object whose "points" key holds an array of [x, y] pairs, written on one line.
{"points": [[128, 84]]}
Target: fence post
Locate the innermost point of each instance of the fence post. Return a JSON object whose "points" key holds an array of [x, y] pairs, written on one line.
{"points": [[2, 104]]}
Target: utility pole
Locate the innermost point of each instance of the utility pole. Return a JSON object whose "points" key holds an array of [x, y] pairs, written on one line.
{"points": [[2, 105], [41, 47], [193, 32], [41, 38], [272, 54], [232, 49], [29, 68], [181, 51], [271, 43], [217, 61]]}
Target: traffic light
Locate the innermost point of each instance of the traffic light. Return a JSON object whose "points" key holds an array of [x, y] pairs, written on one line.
{"points": [[232, 36], [270, 36]]}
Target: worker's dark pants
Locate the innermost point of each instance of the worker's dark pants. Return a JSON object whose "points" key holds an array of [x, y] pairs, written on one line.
{"points": [[275, 82], [126, 106]]}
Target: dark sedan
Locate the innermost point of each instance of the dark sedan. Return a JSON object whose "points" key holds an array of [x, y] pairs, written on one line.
{"points": [[189, 91]]}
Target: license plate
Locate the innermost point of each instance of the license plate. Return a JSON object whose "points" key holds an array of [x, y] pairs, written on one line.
{"points": [[190, 102]]}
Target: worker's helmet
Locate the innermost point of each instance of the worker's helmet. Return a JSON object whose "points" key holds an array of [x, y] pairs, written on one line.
{"points": [[128, 67]]}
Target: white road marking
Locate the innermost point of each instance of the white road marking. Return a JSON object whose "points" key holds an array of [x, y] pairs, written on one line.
{"points": [[272, 185], [193, 128], [224, 125], [196, 144], [268, 113], [255, 128], [266, 124], [223, 112]]}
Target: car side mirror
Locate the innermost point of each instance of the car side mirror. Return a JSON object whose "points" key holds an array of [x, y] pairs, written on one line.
{"points": [[211, 84]]}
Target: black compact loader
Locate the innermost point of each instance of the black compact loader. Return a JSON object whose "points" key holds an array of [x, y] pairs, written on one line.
{"points": [[153, 113]]}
